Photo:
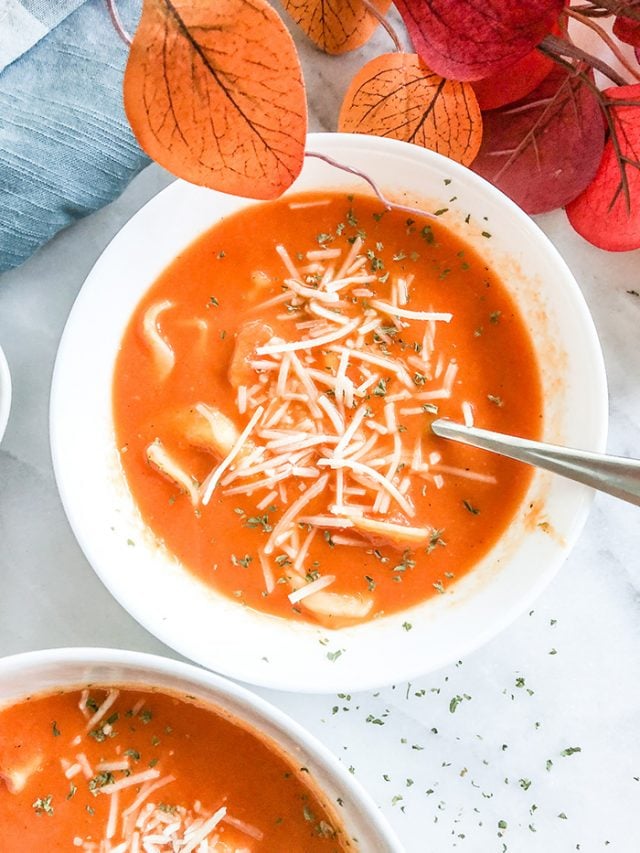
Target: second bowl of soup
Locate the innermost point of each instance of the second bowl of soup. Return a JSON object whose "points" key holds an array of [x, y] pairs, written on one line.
{"points": [[106, 750]]}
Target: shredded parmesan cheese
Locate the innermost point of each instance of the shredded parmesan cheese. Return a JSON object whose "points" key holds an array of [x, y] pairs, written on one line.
{"points": [[294, 510], [301, 205], [395, 311], [102, 710], [464, 473], [145, 793], [367, 471], [292, 346], [269, 582], [243, 826], [207, 827], [84, 764], [73, 770], [112, 820], [129, 781], [211, 482], [310, 588]]}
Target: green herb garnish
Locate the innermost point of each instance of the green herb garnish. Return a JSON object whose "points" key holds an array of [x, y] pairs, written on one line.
{"points": [[43, 805]]}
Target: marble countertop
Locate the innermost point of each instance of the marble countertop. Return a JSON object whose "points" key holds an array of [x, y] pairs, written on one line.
{"points": [[490, 776]]}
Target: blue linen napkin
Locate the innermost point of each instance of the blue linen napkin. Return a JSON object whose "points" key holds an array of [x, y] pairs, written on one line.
{"points": [[66, 148], [24, 22]]}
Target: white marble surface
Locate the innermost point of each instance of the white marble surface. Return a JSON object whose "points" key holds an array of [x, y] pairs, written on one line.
{"points": [[458, 774]]}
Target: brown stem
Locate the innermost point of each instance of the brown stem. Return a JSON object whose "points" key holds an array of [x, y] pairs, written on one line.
{"points": [[377, 14], [590, 11], [557, 48], [606, 38], [389, 205], [629, 9], [116, 20], [530, 105]]}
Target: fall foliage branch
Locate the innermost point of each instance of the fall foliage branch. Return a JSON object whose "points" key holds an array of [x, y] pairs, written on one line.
{"points": [[589, 11], [557, 49], [616, 7], [384, 77], [606, 38]]}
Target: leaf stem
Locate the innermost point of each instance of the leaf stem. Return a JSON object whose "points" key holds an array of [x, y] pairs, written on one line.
{"points": [[629, 9], [591, 11], [606, 38], [389, 205], [116, 20], [377, 14], [530, 105], [556, 48]]}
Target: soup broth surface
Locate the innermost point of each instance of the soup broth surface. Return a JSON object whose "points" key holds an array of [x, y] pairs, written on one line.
{"points": [[273, 397]]}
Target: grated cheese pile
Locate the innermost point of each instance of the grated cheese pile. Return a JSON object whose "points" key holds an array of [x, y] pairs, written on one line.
{"points": [[147, 825], [325, 404]]}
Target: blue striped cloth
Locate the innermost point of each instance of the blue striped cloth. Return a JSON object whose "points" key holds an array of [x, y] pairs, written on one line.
{"points": [[24, 22], [66, 148]]}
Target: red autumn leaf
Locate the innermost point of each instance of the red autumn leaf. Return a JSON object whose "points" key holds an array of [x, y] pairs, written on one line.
{"points": [[627, 30], [336, 26], [601, 214], [214, 93], [397, 96], [515, 83], [543, 151], [507, 87], [472, 39]]}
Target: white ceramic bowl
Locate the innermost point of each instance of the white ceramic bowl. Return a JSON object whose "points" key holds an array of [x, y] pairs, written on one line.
{"points": [[43, 671], [5, 393], [254, 647]]}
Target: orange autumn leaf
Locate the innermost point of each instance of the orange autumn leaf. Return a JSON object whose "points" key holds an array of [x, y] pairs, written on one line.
{"points": [[336, 26], [396, 95], [214, 93]]}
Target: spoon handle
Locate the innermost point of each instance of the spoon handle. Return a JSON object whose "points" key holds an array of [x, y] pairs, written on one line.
{"points": [[615, 475]]}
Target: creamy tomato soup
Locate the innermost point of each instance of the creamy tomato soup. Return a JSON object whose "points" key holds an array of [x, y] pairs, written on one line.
{"points": [[273, 397], [106, 770]]}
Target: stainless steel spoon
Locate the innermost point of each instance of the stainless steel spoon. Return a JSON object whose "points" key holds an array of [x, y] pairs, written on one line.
{"points": [[615, 475]]}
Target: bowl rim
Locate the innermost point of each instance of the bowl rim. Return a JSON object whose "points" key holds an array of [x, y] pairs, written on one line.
{"points": [[362, 680], [5, 393], [223, 687]]}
